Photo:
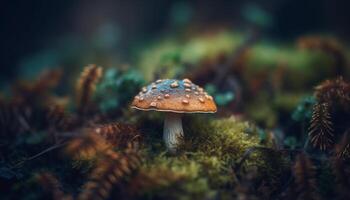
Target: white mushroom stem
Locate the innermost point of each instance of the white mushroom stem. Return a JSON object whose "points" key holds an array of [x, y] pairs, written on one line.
{"points": [[173, 132]]}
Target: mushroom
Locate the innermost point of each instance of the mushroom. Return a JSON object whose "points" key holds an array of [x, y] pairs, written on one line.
{"points": [[174, 97]]}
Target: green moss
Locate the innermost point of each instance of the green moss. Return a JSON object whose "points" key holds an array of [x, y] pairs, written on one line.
{"points": [[167, 55], [225, 138], [203, 167], [168, 175]]}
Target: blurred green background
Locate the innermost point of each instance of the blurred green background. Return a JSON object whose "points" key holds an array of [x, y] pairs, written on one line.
{"points": [[37, 34]]}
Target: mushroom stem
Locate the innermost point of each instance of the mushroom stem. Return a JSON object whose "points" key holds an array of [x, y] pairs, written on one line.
{"points": [[173, 132]]}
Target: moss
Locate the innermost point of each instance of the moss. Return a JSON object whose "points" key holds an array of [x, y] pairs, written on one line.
{"points": [[167, 55], [164, 177], [263, 114], [203, 167], [226, 138]]}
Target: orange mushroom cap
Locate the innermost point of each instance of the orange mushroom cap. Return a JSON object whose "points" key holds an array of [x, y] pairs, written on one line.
{"points": [[171, 95]]}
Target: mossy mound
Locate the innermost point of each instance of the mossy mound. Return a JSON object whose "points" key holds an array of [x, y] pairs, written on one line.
{"points": [[204, 166]]}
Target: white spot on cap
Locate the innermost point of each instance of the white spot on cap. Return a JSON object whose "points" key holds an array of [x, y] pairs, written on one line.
{"points": [[159, 97], [154, 87], [144, 89], [185, 101], [153, 104], [187, 96], [196, 93], [209, 97], [201, 99], [188, 90], [200, 89], [186, 80], [159, 81], [98, 130], [187, 85], [174, 84], [141, 99], [166, 96]]}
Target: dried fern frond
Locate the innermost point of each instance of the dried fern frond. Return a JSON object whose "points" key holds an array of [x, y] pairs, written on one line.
{"points": [[46, 81], [334, 92], [341, 171], [109, 170], [86, 146], [86, 86], [118, 134], [320, 130], [59, 119], [342, 150], [318, 42], [12, 119], [330, 46], [304, 173], [52, 186], [7, 125]]}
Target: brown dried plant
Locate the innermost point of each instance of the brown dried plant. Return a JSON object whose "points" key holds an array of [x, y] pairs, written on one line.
{"points": [[118, 134], [60, 120], [86, 145], [305, 178], [330, 46], [334, 92], [333, 100], [319, 42], [341, 168], [38, 90], [8, 121], [27, 108], [110, 169], [342, 150], [52, 186], [320, 130], [86, 86]]}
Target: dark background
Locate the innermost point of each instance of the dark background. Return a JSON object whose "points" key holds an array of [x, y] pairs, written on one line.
{"points": [[30, 26]]}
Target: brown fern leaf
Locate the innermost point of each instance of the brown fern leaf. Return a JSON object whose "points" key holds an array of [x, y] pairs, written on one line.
{"points": [[52, 186], [110, 169], [30, 90], [334, 92], [86, 86], [341, 171], [118, 134], [320, 130], [318, 42], [59, 119], [304, 173], [12, 119], [342, 150], [48, 79], [7, 122], [86, 146], [330, 46]]}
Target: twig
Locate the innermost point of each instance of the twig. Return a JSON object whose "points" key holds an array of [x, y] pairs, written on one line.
{"points": [[39, 154]]}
